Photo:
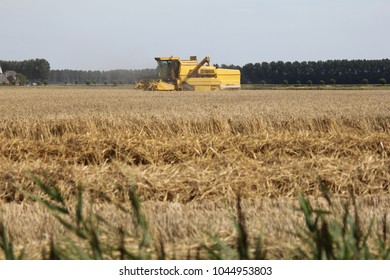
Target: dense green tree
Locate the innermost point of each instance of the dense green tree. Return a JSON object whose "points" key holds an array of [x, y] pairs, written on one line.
{"points": [[382, 81], [22, 79]]}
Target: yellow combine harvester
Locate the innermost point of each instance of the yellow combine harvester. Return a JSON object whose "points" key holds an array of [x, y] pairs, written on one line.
{"points": [[176, 74]]}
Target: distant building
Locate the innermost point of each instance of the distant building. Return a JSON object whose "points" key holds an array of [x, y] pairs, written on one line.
{"points": [[11, 76], [8, 77], [3, 78]]}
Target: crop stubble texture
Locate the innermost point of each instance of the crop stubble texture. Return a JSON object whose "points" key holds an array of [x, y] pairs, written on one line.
{"points": [[198, 148]]}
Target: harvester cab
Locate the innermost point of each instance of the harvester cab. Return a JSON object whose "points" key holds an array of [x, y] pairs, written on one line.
{"points": [[176, 74]]}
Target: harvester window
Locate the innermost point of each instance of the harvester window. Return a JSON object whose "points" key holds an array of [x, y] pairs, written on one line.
{"points": [[169, 70]]}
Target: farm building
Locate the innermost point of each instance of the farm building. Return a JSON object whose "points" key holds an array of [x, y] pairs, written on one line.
{"points": [[8, 77], [3, 78], [11, 76]]}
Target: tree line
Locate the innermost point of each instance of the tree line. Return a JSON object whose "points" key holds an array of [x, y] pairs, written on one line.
{"points": [[38, 71], [320, 72], [100, 77], [312, 72], [316, 72]]}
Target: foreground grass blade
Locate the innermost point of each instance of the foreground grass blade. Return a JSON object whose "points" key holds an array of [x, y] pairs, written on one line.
{"points": [[242, 233], [52, 191], [139, 218], [6, 245]]}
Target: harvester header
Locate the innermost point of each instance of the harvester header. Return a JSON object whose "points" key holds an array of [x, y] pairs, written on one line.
{"points": [[177, 74]]}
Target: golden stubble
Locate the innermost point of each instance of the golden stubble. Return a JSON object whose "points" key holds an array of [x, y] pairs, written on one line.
{"points": [[190, 154]]}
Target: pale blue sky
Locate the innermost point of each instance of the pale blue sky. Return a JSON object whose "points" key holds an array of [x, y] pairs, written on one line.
{"points": [[122, 34]]}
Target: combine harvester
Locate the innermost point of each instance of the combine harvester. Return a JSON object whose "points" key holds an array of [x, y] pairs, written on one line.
{"points": [[176, 74]]}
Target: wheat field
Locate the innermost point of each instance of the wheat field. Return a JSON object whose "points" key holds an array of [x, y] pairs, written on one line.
{"points": [[190, 155]]}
